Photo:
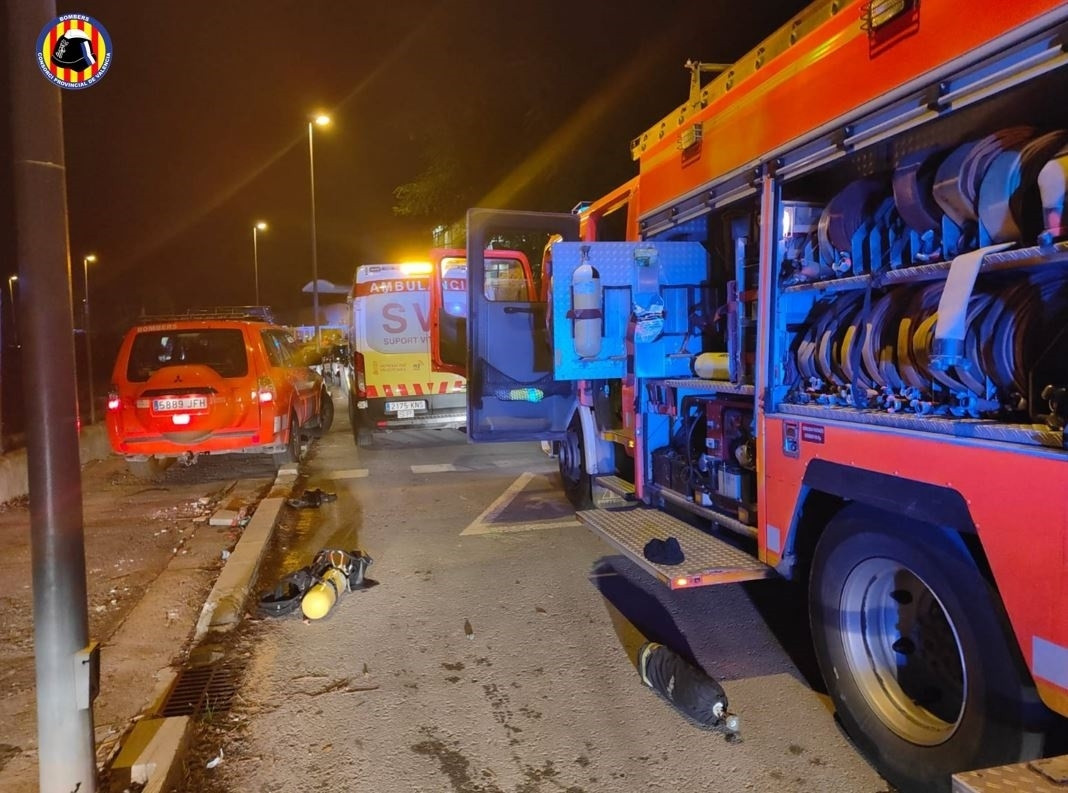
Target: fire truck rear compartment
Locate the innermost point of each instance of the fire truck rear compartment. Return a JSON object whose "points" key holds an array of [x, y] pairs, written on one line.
{"points": [[877, 330], [870, 297]]}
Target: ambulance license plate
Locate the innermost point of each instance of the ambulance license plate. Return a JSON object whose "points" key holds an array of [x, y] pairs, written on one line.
{"points": [[405, 410]]}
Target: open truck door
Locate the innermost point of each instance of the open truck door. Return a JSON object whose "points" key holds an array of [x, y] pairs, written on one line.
{"points": [[510, 277], [448, 311], [512, 395]]}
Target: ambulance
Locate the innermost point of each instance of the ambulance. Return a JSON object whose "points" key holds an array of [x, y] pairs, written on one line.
{"points": [[390, 382]]}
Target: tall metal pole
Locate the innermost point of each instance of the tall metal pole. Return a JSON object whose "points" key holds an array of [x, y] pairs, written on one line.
{"points": [[256, 262], [257, 227], [66, 757], [89, 341], [14, 314], [315, 247], [3, 375]]}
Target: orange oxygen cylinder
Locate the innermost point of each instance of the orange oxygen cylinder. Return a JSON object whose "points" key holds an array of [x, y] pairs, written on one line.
{"points": [[585, 313]]}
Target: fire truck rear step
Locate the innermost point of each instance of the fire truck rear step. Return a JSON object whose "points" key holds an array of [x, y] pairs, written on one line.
{"points": [[1037, 776], [611, 492], [708, 560]]}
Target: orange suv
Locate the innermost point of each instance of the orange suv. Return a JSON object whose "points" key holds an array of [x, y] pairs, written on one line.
{"points": [[212, 383]]}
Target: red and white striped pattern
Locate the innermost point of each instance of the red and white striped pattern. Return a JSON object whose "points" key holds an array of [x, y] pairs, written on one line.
{"points": [[415, 389]]}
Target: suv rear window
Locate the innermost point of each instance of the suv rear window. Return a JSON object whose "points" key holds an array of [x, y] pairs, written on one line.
{"points": [[223, 349]]}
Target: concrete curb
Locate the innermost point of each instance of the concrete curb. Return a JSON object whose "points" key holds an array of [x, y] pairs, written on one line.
{"points": [[226, 603], [149, 754]]}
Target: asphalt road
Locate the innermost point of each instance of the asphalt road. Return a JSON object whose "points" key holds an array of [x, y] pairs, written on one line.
{"points": [[496, 652]]}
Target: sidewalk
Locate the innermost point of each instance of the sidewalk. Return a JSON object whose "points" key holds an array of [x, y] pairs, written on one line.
{"points": [[160, 578]]}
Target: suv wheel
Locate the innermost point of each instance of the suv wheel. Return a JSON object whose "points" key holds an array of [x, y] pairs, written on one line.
{"points": [[292, 452], [326, 412]]}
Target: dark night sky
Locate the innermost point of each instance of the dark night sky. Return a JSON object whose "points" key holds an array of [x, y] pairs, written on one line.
{"points": [[199, 128]]}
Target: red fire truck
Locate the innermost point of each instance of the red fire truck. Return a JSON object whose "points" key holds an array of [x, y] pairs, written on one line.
{"points": [[823, 335]]}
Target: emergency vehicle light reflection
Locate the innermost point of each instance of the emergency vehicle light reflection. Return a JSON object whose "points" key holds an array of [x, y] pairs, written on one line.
{"points": [[416, 268]]}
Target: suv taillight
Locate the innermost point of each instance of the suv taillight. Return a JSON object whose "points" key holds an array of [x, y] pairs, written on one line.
{"points": [[265, 390], [113, 397]]}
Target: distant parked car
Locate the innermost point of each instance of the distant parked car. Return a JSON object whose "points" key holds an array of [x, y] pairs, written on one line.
{"points": [[212, 383], [335, 360]]}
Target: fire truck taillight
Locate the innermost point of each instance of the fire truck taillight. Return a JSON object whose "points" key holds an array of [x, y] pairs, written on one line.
{"points": [[681, 581], [264, 390], [113, 399]]}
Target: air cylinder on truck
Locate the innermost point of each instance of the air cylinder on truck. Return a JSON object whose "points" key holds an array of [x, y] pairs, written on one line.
{"points": [[585, 312]]}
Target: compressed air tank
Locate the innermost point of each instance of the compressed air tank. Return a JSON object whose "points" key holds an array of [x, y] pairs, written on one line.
{"points": [[322, 595], [585, 310]]}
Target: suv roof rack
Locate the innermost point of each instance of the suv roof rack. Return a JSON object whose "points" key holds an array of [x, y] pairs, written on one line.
{"points": [[261, 313]]}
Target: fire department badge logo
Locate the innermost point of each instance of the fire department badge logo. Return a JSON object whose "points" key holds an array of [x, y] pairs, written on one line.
{"points": [[74, 51]]}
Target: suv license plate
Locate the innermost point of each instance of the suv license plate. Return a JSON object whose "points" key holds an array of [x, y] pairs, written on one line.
{"points": [[179, 404], [407, 408]]}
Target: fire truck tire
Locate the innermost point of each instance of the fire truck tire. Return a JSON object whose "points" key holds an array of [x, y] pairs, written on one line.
{"points": [[292, 452], [571, 457], [916, 652]]}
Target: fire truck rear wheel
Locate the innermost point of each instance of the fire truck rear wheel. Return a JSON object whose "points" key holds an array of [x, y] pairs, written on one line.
{"points": [[571, 458], [916, 652]]}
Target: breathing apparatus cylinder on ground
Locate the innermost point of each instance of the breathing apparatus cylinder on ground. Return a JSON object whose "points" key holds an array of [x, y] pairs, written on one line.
{"points": [[585, 312], [322, 595], [692, 692]]}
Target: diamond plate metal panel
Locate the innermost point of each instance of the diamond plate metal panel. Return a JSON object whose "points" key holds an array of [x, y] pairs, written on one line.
{"points": [[714, 386], [709, 560], [1037, 776]]}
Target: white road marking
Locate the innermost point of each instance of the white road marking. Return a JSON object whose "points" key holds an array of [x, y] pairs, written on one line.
{"points": [[512, 462], [435, 468], [484, 523], [350, 473]]}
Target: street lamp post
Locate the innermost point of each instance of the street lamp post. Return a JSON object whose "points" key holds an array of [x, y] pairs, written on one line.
{"points": [[11, 279], [320, 120], [89, 340], [258, 227]]}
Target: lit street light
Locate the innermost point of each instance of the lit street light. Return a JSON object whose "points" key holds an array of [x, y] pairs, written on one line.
{"points": [[11, 279], [89, 339], [258, 227], [320, 120]]}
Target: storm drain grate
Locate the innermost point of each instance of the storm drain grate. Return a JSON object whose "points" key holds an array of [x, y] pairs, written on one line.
{"points": [[201, 690]]}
